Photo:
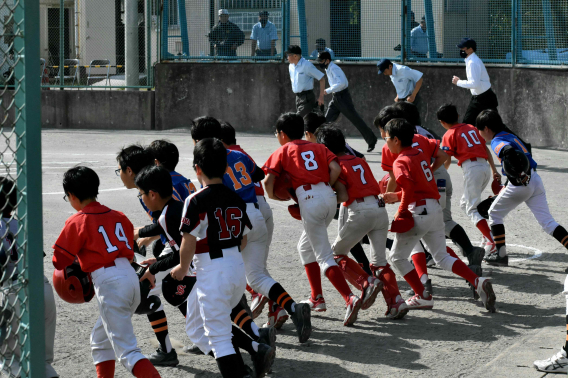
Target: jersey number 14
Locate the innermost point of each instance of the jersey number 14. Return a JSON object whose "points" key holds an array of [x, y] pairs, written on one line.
{"points": [[120, 235]]}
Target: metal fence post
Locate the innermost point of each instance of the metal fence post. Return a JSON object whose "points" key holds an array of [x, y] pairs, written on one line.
{"points": [[513, 33], [430, 29], [61, 42], [287, 22], [303, 28], [149, 79], [165, 24], [549, 26], [402, 31]]}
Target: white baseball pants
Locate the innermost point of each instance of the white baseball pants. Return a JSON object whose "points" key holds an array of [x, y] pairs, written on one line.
{"points": [[360, 219], [476, 177], [268, 218], [430, 228], [117, 290], [317, 208], [194, 323], [157, 290], [442, 173], [220, 286], [533, 195]]}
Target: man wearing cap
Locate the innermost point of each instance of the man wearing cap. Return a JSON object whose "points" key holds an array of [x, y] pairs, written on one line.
{"points": [[226, 36], [320, 47], [302, 75], [406, 81], [419, 40], [264, 36], [482, 96], [341, 101]]}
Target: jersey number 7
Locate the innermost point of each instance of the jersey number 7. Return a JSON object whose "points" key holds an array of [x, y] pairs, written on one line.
{"points": [[360, 168], [120, 235]]}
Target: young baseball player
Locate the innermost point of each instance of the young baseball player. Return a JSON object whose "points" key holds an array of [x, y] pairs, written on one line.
{"points": [[276, 295], [100, 239], [214, 228], [131, 160], [525, 185], [419, 216], [362, 214], [466, 144], [10, 313], [313, 169]]}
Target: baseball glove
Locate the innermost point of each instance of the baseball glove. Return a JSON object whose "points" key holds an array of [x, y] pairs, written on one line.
{"points": [[283, 188], [294, 211], [402, 223]]}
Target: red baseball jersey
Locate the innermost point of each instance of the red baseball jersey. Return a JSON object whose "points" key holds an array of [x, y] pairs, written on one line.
{"points": [[96, 236], [415, 166], [305, 162], [258, 189], [428, 147], [356, 175], [464, 142]]}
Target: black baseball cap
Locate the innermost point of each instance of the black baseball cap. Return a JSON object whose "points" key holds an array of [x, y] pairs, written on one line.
{"points": [[263, 13], [467, 42], [383, 64], [294, 49], [323, 56]]}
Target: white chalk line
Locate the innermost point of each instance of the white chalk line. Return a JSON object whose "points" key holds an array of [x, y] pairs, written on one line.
{"points": [[537, 252], [102, 190]]}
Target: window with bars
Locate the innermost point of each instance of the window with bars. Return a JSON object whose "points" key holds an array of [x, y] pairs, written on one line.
{"points": [[250, 4], [173, 14]]}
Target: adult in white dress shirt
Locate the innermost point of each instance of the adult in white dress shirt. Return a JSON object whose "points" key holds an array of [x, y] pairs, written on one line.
{"points": [[482, 96], [302, 75], [264, 36], [341, 102]]}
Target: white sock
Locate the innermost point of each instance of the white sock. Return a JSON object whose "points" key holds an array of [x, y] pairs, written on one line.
{"points": [[255, 346], [168, 344], [254, 328], [424, 279], [294, 307]]}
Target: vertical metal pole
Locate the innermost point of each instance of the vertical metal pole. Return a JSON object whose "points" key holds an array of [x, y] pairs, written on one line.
{"points": [[303, 28], [131, 43], [61, 42], [283, 38], [549, 26], [402, 33], [519, 27], [149, 78], [513, 33], [28, 159], [183, 26], [287, 23], [430, 29], [165, 25]]}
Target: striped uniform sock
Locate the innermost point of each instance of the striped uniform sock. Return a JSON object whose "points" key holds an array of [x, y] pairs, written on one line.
{"points": [[242, 319], [159, 323], [561, 235], [278, 295], [498, 232]]}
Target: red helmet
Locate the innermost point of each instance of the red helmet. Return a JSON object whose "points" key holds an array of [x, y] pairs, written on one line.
{"points": [[383, 183], [496, 186], [283, 188], [73, 285]]}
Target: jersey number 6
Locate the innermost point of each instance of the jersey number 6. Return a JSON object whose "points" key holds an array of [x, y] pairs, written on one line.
{"points": [[427, 171], [120, 235]]}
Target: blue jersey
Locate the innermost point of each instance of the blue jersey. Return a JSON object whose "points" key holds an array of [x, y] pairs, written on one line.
{"points": [[503, 139], [238, 177], [182, 188]]}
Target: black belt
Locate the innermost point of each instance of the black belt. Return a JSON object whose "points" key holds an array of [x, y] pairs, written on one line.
{"points": [[305, 92], [217, 253], [483, 94]]}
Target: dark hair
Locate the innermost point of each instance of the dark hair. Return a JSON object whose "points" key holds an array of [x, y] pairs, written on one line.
{"points": [[8, 196], [205, 127], [134, 156], [312, 121], [332, 138], [448, 113], [491, 119], [82, 182], [386, 114], [155, 178], [320, 41], [228, 133], [292, 124], [210, 155], [411, 113], [324, 55], [401, 129], [165, 152]]}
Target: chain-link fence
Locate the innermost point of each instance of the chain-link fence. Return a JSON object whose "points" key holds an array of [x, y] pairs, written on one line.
{"points": [[98, 44], [515, 32], [22, 352]]}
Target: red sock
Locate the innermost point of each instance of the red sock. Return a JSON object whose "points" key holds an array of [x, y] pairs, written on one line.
{"points": [[105, 369], [419, 260], [335, 276], [464, 272], [314, 277], [452, 253], [390, 286], [414, 282], [145, 369], [352, 271], [484, 228], [250, 290]]}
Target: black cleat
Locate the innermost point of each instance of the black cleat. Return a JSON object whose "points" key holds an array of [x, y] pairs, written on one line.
{"points": [[161, 358], [302, 320], [476, 256], [371, 147], [262, 360], [496, 260], [192, 349], [267, 336], [479, 272]]}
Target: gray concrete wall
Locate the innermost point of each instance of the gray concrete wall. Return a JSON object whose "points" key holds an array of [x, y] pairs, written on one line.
{"points": [[124, 110], [533, 102]]}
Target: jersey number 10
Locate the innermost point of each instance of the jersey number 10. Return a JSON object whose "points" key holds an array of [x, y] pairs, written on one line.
{"points": [[473, 136]]}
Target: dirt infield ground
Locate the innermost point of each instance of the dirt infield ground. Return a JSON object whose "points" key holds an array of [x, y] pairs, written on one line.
{"points": [[458, 338]]}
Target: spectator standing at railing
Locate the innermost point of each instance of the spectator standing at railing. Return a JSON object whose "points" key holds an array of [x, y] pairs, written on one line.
{"points": [[341, 101], [482, 96], [320, 47], [406, 81], [264, 36], [226, 36], [419, 40], [302, 75]]}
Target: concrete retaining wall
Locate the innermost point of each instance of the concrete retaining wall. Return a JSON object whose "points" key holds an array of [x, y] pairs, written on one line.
{"points": [[533, 102]]}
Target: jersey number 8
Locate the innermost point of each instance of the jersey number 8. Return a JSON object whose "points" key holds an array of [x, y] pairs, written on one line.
{"points": [[309, 162], [120, 235]]}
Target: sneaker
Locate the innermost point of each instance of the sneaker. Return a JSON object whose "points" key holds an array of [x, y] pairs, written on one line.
{"points": [[397, 311], [419, 303], [302, 320], [257, 304], [489, 248], [555, 364], [486, 293], [353, 307], [499, 258], [268, 336], [427, 286], [370, 293], [192, 349], [277, 318], [476, 256], [317, 305], [161, 358], [262, 360], [479, 272]]}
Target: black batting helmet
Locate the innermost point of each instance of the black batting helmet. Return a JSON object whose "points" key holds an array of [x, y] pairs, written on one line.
{"points": [[176, 292], [516, 166]]}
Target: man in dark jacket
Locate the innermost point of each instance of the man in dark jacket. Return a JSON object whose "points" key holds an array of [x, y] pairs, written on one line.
{"points": [[226, 36]]}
